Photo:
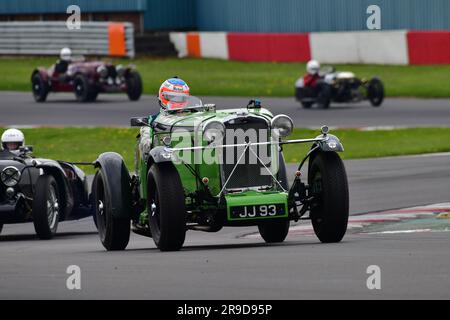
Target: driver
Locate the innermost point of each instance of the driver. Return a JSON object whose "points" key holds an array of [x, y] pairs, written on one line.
{"points": [[173, 93], [12, 140], [312, 74], [65, 57]]}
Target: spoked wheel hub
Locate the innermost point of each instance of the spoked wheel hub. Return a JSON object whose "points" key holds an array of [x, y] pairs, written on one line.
{"points": [[100, 207], [79, 88], [153, 209], [52, 207], [36, 86]]}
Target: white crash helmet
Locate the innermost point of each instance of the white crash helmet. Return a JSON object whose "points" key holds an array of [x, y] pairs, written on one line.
{"points": [[312, 67], [66, 54], [12, 136]]}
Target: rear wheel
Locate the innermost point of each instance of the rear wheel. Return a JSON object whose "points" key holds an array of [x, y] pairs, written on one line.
{"points": [[46, 207], [84, 91], [273, 231], [375, 92], [114, 232], [166, 207], [134, 85], [328, 184], [40, 88]]}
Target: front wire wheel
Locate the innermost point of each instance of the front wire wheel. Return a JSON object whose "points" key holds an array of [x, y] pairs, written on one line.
{"points": [[134, 85], [328, 184], [40, 88], [83, 89], [114, 232], [46, 207], [375, 92], [166, 206]]}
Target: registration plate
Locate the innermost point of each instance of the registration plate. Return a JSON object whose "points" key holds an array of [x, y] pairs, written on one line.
{"points": [[258, 211]]}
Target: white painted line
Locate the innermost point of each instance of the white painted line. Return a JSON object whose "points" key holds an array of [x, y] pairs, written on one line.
{"points": [[367, 219], [401, 231]]}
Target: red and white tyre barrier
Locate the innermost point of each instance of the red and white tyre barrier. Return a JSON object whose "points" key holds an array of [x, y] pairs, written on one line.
{"points": [[397, 47]]}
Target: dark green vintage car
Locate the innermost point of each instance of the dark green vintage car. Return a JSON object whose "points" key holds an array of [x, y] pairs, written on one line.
{"points": [[198, 168]]}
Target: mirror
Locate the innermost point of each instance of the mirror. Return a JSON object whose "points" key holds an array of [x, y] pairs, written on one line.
{"points": [[26, 149], [210, 107], [139, 122], [254, 103]]}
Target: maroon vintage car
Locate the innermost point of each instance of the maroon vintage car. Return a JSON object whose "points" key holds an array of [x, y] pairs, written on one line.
{"points": [[86, 80]]}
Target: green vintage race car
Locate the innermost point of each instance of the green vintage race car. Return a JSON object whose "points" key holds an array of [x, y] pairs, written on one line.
{"points": [[198, 168]]}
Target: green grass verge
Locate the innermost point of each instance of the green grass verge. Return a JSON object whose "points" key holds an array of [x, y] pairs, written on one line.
{"points": [[85, 144], [379, 143], [232, 78]]}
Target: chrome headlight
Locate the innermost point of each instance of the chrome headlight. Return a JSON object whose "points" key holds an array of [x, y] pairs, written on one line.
{"points": [[283, 124], [120, 70], [102, 71], [213, 131], [166, 140], [10, 176]]}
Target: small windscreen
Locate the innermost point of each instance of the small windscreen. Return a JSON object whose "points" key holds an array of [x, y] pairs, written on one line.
{"points": [[179, 101]]}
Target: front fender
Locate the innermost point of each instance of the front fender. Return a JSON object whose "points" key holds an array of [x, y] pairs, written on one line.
{"points": [[117, 183], [42, 71], [160, 154], [53, 168], [330, 144]]}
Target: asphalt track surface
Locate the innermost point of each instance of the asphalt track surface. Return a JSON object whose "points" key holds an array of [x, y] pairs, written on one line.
{"points": [[226, 266], [19, 108]]}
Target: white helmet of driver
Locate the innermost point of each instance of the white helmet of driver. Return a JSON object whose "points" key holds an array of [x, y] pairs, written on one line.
{"points": [[312, 67], [66, 54], [12, 140]]}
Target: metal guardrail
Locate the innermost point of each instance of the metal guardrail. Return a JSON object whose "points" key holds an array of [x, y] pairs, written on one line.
{"points": [[48, 37]]}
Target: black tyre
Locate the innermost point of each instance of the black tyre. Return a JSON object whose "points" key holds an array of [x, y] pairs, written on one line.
{"points": [[307, 105], [273, 231], [324, 95], [166, 207], [375, 92], [1, 227], [134, 85], [114, 232], [93, 95], [46, 207], [92, 201], [83, 90], [328, 183], [39, 87]]}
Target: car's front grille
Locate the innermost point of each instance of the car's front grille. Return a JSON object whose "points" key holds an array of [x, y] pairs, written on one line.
{"points": [[249, 172], [112, 73]]}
